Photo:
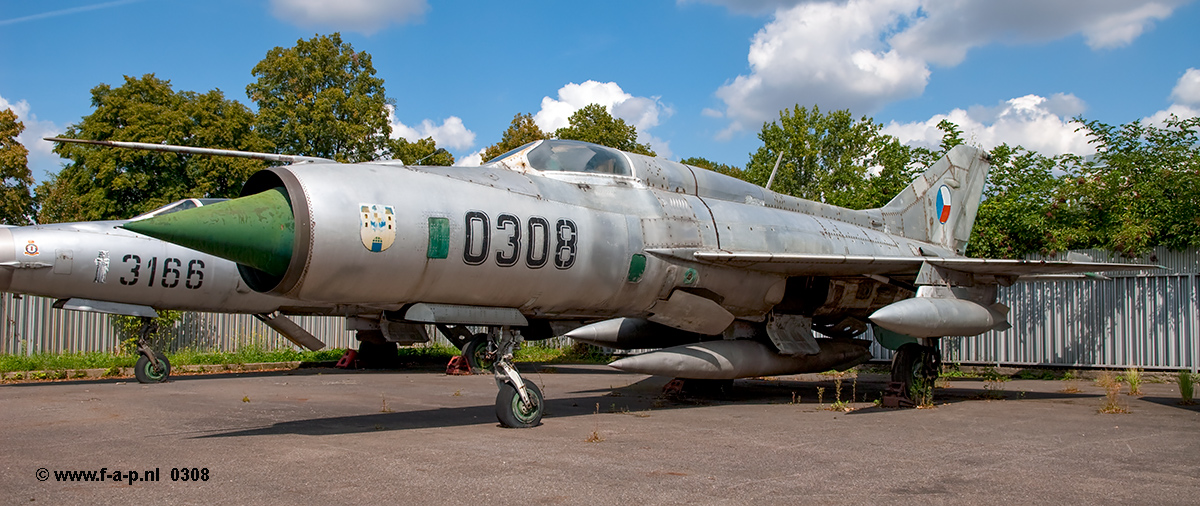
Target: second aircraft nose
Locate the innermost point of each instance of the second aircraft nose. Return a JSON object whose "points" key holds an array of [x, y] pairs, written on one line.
{"points": [[256, 230]]}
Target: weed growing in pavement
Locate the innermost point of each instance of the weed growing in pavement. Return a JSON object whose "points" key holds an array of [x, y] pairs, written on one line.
{"points": [[595, 437], [921, 392], [1133, 376], [1112, 388], [1187, 384], [1071, 387], [820, 395], [993, 384]]}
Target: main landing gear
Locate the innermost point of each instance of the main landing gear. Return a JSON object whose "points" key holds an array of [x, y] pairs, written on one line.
{"points": [[474, 347], [151, 366], [915, 368]]}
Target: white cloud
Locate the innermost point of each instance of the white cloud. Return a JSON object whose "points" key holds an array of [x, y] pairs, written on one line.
{"points": [[830, 54], [471, 160], [1187, 89], [1180, 111], [944, 30], [1186, 96], [451, 134], [42, 161], [643, 113], [1037, 123], [863, 54], [363, 16]]}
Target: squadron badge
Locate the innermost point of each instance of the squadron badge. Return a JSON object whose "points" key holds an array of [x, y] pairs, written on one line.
{"points": [[378, 228]]}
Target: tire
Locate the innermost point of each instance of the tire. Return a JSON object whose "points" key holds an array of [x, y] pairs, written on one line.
{"points": [[914, 364], [145, 372], [510, 411], [372, 355], [475, 351], [903, 362]]}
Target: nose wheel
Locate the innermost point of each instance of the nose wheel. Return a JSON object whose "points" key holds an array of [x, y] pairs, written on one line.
{"points": [[151, 366], [519, 404]]}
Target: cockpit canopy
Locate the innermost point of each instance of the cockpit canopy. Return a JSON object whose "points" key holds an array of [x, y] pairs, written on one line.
{"points": [[553, 155]]}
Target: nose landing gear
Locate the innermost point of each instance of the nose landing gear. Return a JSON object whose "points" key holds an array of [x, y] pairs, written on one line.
{"points": [[519, 404], [151, 366]]}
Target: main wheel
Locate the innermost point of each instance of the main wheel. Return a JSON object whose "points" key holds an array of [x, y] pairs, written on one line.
{"points": [[475, 351], [373, 355], [916, 368], [145, 372], [512, 412]]}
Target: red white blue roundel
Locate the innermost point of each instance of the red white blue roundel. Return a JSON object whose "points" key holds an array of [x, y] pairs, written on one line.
{"points": [[943, 204]]}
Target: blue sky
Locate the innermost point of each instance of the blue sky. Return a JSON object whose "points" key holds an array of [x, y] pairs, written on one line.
{"points": [[697, 77]]}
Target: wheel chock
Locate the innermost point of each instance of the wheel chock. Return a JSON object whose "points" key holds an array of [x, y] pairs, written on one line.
{"points": [[459, 366], [349, 360], [896, 397]]}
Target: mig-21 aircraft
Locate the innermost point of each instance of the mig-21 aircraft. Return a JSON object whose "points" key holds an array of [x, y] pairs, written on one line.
{"points": [[724, 278]]}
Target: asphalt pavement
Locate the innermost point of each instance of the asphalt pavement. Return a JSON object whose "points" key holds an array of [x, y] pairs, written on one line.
{"points": [[326, 436]]}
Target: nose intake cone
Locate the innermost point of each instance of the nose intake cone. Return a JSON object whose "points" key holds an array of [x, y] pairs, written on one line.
{"points": [[256, 230]]}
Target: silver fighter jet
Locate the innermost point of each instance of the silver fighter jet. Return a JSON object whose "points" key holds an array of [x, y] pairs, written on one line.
{"points": [[727, 278]]}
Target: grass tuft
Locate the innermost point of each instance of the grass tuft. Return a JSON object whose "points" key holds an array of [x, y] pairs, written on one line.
{"points": [[1112, 388], [1187, 384], [1133, 376]]}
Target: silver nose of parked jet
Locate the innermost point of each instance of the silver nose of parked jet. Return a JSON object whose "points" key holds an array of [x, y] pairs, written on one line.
{"points": [[8, 258]]}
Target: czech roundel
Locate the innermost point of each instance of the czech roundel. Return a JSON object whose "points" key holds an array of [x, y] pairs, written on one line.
{"points": [[943, 204]]}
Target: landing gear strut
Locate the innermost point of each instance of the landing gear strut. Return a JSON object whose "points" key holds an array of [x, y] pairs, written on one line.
{"points": [[151, 366], [915, 368], [518, 404]]}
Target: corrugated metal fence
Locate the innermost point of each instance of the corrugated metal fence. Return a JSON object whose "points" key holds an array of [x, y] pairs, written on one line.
{"points": [[32, 325], [1144, 320]]}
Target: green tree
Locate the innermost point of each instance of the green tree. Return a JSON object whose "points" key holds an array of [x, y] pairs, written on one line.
{"points": [[520, 132], [321, 98], [103, 183], [423, 151], [1026, 208], [894, 167], [826, 157], [594, 124], [1143, 187], [16, 204]]}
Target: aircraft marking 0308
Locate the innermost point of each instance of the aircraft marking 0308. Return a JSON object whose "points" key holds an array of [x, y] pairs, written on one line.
{"points": [[478, 232]]}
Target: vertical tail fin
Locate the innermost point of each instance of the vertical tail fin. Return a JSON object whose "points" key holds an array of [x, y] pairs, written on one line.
{"points": [[940, 205]]}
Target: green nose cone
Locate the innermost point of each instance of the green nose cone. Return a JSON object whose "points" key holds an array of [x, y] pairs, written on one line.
{"points": [[256, 230]]}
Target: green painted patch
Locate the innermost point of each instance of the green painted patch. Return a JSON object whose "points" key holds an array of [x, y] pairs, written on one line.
{"points": [[637, 267], [439, 238], [892, 340]]}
